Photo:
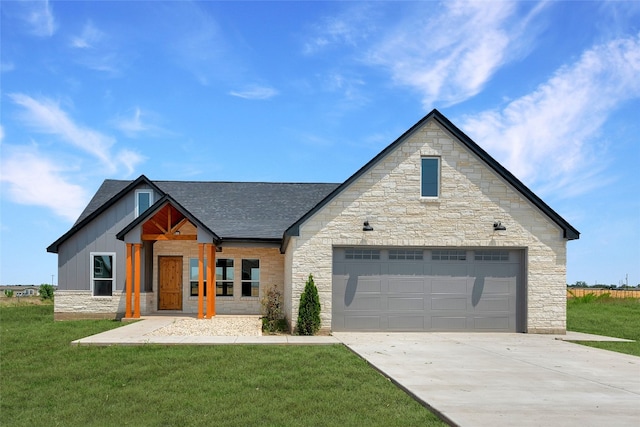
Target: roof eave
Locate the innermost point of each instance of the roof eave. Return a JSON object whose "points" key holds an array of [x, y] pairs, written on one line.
{"points": [[53, 248], [569, 232]]}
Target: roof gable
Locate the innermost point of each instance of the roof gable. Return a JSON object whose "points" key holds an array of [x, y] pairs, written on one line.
{"points": [[569, 232], [107, 195], [166, 199]]}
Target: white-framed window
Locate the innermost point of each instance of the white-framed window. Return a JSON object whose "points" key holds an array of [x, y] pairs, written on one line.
{"points": [[144, 199], [250, 277], [430, 177], [103, 273]]}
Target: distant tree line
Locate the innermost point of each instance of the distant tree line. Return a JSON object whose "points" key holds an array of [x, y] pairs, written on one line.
{"points": [[582, 284]]}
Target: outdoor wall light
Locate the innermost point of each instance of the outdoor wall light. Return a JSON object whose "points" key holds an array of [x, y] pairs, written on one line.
{"points": [[497, 226], [367, 227]]}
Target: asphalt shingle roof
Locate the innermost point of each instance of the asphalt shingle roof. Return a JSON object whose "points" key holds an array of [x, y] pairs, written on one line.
{"points": [[247, 210], [242, 210]]}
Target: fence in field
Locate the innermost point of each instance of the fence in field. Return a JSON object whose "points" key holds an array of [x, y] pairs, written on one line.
{"points": [[615, 293]]}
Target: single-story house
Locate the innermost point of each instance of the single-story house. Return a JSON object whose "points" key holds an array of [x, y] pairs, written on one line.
{"points": [[432, 234]]}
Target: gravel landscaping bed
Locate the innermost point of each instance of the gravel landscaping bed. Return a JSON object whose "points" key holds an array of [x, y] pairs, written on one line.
{"points": [[217, 326]]}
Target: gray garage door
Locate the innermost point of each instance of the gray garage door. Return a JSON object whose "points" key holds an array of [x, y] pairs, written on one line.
{"points": [[390, 289]]}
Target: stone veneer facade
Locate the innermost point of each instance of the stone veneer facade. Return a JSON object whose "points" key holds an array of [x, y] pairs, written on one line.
{"points": [[472, 197], [82, 305]]}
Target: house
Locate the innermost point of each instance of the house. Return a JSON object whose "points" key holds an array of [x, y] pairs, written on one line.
{"points": [[432, 234]]}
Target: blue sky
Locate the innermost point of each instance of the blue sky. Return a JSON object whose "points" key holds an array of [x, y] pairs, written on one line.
{"points": [[309, 92]]}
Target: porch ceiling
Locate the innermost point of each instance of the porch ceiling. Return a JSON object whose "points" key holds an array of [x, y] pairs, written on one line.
{"points": [[168, 224]]}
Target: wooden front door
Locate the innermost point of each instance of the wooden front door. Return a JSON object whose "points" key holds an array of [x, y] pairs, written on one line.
{"points": [[170, 283]]}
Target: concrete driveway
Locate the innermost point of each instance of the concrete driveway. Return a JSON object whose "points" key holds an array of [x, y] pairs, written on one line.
{"points": [[508, 379]]}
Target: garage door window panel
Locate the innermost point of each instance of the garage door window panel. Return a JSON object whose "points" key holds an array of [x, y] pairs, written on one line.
{"points": [[371, 254], [406, 254], [492, 255], [448, 255]]}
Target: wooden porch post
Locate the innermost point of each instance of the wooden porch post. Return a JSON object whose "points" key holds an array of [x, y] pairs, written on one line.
{"points": [[128, 283], [211, 281], [136, 302], [200, 280]]}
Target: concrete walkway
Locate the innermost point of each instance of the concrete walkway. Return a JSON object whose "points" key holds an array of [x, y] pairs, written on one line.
{"points": [[508, 379], [136, 333]]}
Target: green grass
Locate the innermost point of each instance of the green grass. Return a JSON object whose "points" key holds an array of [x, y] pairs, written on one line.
{"points": [[44, 381], [614, 317]]}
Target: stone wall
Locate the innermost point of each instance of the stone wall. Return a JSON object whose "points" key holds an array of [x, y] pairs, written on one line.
{"points": [[472, 197], [271, 274], [82, 305]]}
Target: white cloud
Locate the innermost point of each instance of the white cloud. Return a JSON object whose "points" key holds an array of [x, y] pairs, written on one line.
{"points": [[46, 116], [352, 27], [90, 36], [129, 159], [95, 50], [550, 137], [39, 16], [255, 92], [448, 54], [32, 179], [140, 122]]}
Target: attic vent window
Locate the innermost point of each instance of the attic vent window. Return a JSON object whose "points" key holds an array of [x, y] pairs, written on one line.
{"points": [[430, 180], [144, 199]]}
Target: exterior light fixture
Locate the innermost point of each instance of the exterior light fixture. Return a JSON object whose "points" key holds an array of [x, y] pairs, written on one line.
{"points": [[367, 227], [177, 232], [497, 226]]}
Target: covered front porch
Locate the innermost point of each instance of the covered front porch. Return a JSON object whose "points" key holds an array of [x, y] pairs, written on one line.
{"points": [[167, 224]]}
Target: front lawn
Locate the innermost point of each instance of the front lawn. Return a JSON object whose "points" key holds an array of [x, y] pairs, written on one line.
{"points": [[44, 381], [613, 317]]}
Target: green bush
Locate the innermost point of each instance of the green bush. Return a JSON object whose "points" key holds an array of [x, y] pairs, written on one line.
{"points": [[309, 310], [272, 311], [8, 293], [46, 291]]}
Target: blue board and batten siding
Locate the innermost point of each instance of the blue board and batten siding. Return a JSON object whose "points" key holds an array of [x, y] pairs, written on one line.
{"points": [[74, 255]]}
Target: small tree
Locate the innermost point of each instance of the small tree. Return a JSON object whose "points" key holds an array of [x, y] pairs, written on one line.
{"points": [[46, 291], [272, 310], [309, 310], [8, 293]]}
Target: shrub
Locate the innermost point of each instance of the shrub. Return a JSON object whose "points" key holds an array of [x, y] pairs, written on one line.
{"points": [[272, 311], [309, 310], [8, 293], [46, 291]]}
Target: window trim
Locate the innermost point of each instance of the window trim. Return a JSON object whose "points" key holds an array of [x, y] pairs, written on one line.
{"points": [[143, 191], [233, 281], [92, 279], [243, 281], [197, 260], [438, 177]]}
